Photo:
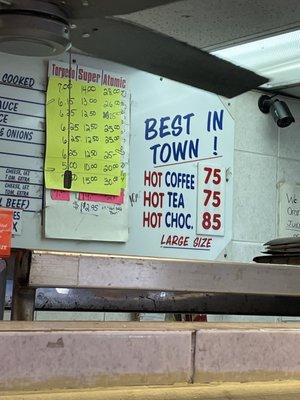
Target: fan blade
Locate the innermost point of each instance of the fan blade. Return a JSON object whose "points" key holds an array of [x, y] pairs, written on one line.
{"points": [[150, 51], [97, 8]]}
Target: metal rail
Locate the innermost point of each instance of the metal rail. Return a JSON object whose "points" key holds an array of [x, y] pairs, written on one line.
{"points": [[106, 300], [91, 271]]}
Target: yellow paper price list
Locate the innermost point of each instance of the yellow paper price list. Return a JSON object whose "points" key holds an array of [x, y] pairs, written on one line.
{"points": [[80, 139]]}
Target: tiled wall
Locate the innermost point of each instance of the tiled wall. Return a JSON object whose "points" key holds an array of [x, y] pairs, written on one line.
{"points": [[264, 156]]}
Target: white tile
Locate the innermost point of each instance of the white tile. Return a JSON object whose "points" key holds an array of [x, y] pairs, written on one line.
{"points": [[7, 315], [230, 105], [288, 320], [81, 316], [243, 318], [243, 251], [254, 131], [289, 138], [223, 255], [289, 142], [152, 317], [110, 316], [254, 205], [68, 316], [288, 170]]}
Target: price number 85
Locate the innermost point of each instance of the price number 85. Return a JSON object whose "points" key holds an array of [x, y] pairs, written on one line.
{"points": [[212, 198]]}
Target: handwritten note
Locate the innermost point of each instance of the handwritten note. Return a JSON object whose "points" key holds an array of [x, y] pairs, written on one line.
{"points": [[6, 227], [84, 128]]}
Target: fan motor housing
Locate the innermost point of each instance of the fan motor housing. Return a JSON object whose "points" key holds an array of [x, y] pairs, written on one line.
{"points": [[33, 28]]}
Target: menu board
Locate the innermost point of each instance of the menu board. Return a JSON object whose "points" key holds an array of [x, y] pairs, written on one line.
{"points": [[84, 128], [22, 134], [175, 194], [94, 104]]}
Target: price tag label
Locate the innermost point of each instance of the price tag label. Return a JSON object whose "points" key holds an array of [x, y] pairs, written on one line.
{"points": [[6, 226], [211, 196]]}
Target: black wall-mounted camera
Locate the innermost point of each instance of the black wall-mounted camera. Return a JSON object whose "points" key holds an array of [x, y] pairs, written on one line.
{"points": [[279, 110]]}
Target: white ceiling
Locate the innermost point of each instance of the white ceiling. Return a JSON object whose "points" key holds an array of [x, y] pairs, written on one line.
{"points": [[217, 24], [213, 24]]}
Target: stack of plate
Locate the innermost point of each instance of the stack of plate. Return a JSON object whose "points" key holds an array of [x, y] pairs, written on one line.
{"points": [[289, 246]]}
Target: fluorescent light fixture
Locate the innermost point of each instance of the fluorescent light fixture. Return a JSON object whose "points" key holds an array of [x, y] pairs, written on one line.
{"points": [[276, 57]]}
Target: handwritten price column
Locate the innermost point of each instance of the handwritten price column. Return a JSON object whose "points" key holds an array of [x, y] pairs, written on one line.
{"points": [[124, 149], [112, 128], [77, 139], [211, 195], [57, 131], [89, 145]]}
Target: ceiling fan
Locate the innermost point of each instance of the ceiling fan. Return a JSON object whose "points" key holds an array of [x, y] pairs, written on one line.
{"points": [[47, 28]]}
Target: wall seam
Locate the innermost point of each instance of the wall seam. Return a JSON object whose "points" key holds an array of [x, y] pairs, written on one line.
{"points": [[191, 379]]}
